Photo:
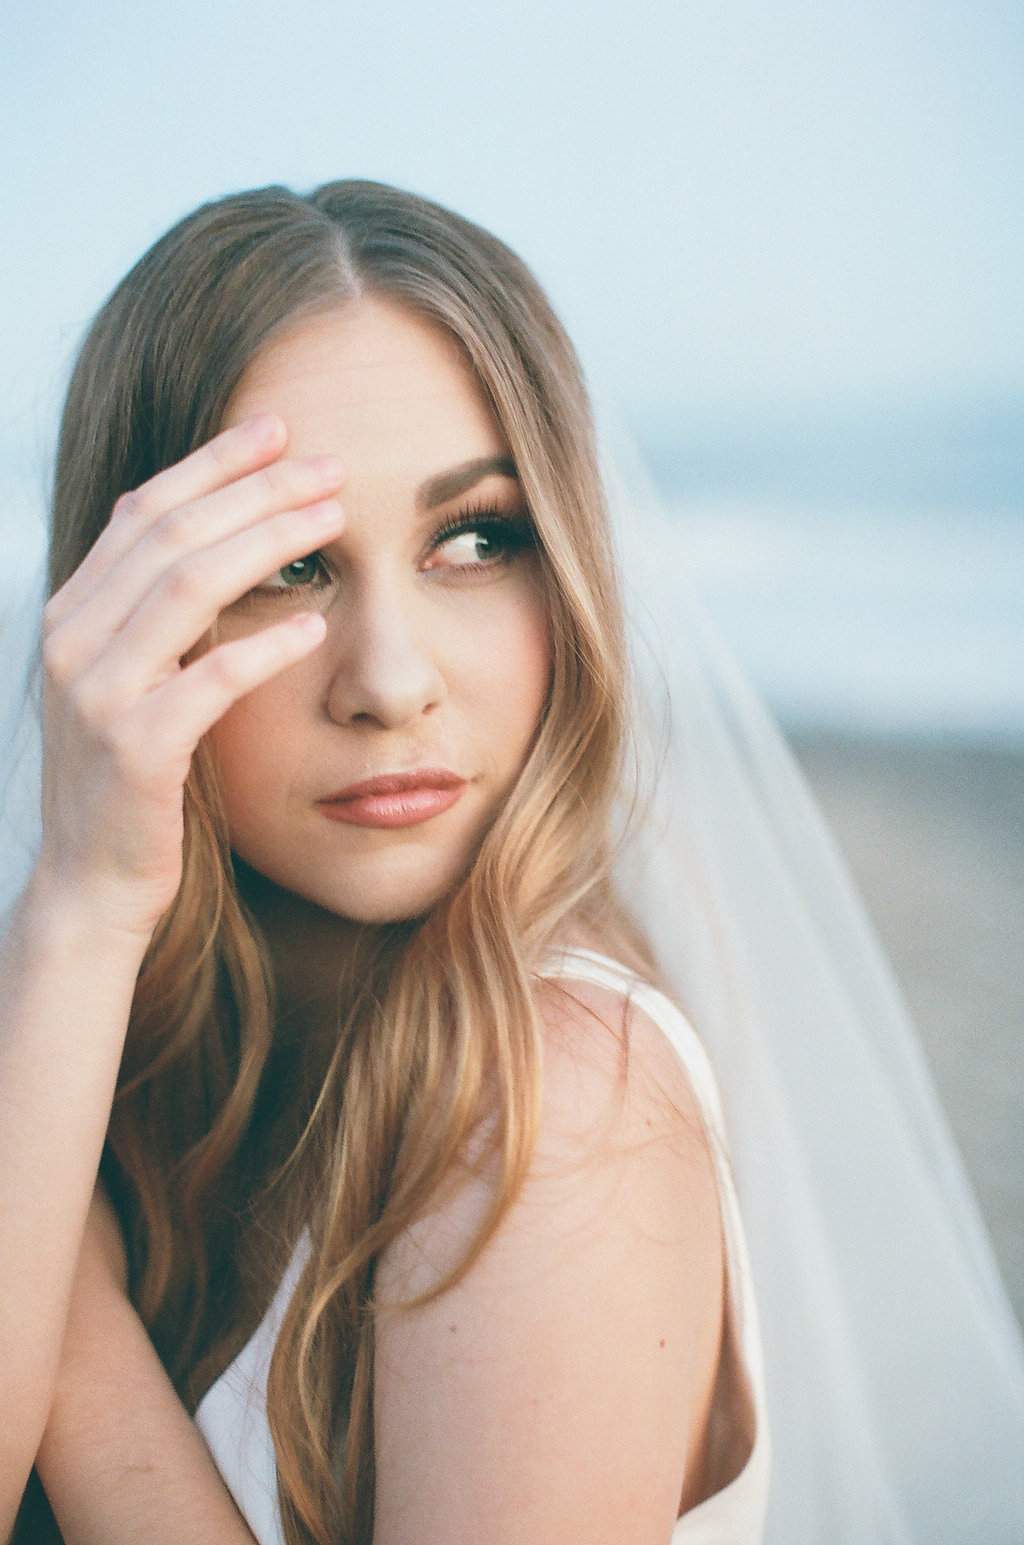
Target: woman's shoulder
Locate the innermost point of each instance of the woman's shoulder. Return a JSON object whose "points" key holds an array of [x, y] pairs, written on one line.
{"points": [[587, 1333], [612, 1068], [621, 1134]]}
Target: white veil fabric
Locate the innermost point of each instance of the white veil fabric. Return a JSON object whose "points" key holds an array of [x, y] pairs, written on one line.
{"points": [[20, 748], [894, 1365]]}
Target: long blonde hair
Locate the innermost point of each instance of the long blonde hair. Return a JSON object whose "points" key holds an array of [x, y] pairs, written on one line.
{"points": [[225, 1141]]}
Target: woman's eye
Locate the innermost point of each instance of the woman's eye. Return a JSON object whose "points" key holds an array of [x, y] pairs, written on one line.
{"points": [[482, 544], [301, 574], [468, 547]]}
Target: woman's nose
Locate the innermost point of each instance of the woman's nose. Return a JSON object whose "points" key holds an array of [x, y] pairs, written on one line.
{"points": [[385, 670]]}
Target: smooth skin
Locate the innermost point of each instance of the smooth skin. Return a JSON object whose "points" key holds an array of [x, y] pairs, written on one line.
{"points": [[561, 1391], [120, 1459]]}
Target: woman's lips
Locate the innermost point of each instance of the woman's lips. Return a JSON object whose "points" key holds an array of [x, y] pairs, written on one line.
{"points": [[395, 799]]}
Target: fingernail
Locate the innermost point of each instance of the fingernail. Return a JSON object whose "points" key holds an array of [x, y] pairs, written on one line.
{"points": [[266, 428]]}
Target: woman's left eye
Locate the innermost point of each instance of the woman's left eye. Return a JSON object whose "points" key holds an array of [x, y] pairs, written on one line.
{"points": [[302, 574], [474, 543]]}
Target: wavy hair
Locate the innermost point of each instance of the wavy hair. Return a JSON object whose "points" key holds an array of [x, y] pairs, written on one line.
{"points": [[227, 1140]]}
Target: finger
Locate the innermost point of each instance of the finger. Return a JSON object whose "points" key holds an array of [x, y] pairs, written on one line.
{"points": [[178, 714], [243, 448], [190, 528], [186, 602]]}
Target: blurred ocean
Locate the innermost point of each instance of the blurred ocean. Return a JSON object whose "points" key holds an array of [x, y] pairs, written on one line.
{"points": [[867, 569], [868, 620]]}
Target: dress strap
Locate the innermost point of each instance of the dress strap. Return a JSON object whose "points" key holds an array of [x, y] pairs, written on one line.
{"points": [[584, 965]]}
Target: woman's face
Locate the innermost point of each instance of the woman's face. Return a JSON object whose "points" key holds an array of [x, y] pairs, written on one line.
{"points": [[437, 660]]}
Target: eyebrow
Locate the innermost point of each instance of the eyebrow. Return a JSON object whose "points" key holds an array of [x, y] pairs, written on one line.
{"points": [[459, 480]]}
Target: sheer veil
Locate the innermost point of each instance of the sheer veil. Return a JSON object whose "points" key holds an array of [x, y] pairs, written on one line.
{"points": [[894, 1364], [895, 1368], [20, 609]]}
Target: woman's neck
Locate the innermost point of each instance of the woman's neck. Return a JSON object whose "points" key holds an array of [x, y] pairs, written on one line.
{"points": [[309, 947], [318, 959]]}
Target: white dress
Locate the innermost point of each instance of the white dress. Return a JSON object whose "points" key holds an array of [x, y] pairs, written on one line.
{"points": [[232, 1414]]}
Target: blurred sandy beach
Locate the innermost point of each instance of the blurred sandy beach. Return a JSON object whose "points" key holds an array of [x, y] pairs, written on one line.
{"points": [[934, 835]]}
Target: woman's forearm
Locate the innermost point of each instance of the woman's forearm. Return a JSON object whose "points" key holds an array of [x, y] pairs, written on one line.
{"points": [[66, 988], [121, 1461]]}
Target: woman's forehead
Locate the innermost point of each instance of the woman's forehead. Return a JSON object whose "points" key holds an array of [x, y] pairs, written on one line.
{"points": [[358, 355], [384, 388]]}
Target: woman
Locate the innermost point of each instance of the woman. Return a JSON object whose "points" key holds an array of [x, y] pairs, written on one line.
{"points": [[403, 1142], [392, 687]]}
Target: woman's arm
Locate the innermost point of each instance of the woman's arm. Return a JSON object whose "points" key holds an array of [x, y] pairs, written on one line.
{"points": [[66, 986], [121, 1462], [124, 706], [560, 1392]]}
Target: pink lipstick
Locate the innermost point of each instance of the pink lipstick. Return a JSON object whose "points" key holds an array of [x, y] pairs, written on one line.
{"points": [[395, 799]]}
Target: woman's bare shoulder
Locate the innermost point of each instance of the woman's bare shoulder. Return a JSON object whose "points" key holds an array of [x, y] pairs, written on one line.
{"points": [[559, 1389], [611, 1071]]}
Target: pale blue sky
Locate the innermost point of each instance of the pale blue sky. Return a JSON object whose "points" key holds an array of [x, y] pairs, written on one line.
{"points": [[786, 235], [763, 202]]}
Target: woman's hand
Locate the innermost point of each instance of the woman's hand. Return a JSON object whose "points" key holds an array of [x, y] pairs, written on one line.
{"points": [[126, 698]]}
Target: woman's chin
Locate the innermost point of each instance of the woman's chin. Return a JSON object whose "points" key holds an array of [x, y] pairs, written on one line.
{"points": [[372, 900], [378, 906]]}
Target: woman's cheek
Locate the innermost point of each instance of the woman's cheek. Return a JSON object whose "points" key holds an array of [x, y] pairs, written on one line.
{"points": [[510, 662], [256, 747]]}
